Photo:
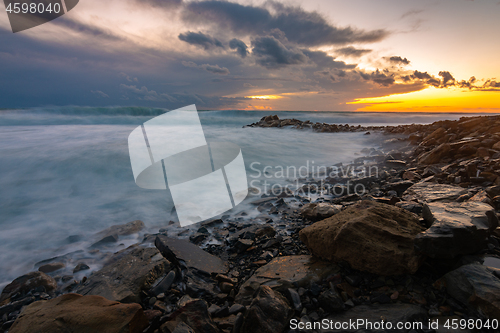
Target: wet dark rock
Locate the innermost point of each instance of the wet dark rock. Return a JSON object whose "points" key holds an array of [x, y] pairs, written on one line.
{"points": [[80, 267], [455, 228], [15, 305], [319, 211], [199, 283], [286, 272], [269, 312], [177, 249], [236, 308], [126, 275], [122, 229], [370, 236], [198, 237], [52, 267], [164, 284], [80, 314], [193, 314], [242, 245], [253, 232], [258, 202], [477, 287], [331, 301], [26, 283], [105, 241], [294, 299], [399, 187]]}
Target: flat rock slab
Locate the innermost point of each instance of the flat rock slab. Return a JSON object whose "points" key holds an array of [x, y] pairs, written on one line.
{"points": [[393, 313], [430, 192], [126, 274], [476, 286], [80, 314], [370, 236], [286, 272], [455, 228], [178, 249]]}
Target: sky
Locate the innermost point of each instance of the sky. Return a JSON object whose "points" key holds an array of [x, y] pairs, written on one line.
{"points": [[315, 55]]}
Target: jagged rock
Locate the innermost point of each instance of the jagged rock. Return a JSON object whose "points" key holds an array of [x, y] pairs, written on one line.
{"points": [[269, 312], [177, 249], [435, 155], [286, 272], [80, 314], [430, 192], [394, 313], [370, 236], [319, 211], [194, 314], [126, 274], [477, 287], [25, 284], [455, 228]]}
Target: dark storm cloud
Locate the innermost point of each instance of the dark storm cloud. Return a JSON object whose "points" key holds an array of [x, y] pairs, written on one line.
{"points": [[215, 69], [272, 54], [448, 79], [399, 60], [200, 39], [379, 77], [299, 26], [352, 51], [175, 100], [421, 75], [239, 46], [322, 59]]}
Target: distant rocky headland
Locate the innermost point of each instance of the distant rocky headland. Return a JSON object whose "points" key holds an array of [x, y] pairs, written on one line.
{"points": [[416, 242]]}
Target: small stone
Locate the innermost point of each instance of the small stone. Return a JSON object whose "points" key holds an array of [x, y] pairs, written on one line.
{"points": [[80, 267], [226, 287]]}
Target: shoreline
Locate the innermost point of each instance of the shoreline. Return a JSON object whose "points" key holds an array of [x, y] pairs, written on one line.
{"points": [[228, 290]]}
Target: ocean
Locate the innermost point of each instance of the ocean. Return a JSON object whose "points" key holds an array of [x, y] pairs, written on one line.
{"points": [[66, 171]]}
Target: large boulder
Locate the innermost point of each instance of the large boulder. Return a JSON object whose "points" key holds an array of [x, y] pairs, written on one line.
{"points": [[370, 236], [455, 228], [430, 192], [319, 211], [286, 272], [475, 286], [80, 314], [24, 284], [126, 274], [269, 312]]}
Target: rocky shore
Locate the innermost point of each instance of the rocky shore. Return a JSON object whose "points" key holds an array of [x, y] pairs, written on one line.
{"points": [[404, 234]]}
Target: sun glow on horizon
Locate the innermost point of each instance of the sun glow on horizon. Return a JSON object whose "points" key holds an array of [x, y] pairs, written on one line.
{"points": [[433, 100], [264, 97]]}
